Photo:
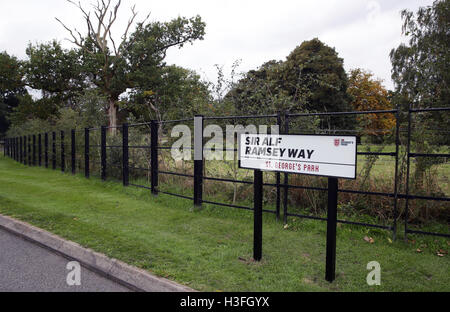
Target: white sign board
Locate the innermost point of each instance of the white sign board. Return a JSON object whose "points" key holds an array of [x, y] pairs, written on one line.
{"points": [[322, 155]]}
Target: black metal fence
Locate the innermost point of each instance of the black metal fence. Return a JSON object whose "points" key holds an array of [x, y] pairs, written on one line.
{"points": [[96, 152]]}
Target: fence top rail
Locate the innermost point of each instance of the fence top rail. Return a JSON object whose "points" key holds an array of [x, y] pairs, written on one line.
{"points": [[429, 109], [139, 124], [391, 111], [239, 117], [174, 120]]}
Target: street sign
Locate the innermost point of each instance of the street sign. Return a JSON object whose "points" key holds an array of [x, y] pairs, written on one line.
{"points": [[333, 156], [322, 155]]}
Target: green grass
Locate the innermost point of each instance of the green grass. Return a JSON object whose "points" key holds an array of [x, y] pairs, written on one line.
{"points": [[211, 249]]}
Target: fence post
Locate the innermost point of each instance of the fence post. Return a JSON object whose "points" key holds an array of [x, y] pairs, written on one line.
{"points": [[34, 150], [198, 160], [20, 150], [125, 169], [72, 150], [39, 150], [86, 152], [257, 214], [54, 150], [331, 229], [29, 150], [286, 176], [25, 150], [278, 175], [46, 149], [63, 156], [408, 160], [397, 142], [154, 156], [103, 152]]}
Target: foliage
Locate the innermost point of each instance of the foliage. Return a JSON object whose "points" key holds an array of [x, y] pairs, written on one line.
{"points": [[369, 94], [12, 88], [178, 93], [421, 68], [135, 62], [421, 72], [57, 72], [311, 79]]}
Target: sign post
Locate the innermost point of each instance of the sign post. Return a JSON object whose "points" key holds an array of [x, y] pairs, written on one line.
{"points": [[332, 156], [330, 266], [257, 214]]}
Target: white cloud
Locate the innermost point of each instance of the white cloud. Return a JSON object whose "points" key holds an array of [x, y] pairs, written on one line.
{"points": [[362, 31]]}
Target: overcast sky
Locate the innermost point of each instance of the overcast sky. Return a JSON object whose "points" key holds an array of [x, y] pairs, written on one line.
{"points": [[362, 31]]}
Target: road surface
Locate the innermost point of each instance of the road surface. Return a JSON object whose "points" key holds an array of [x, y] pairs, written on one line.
{"points": [[25, 266]]}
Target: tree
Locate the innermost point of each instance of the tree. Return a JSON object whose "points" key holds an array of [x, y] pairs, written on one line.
{"points": [[12, 88], [311, 79], [319, 67], [177, 93], [421, 73], [114, 67], [421, 68], [369, 94], [56, 72]]}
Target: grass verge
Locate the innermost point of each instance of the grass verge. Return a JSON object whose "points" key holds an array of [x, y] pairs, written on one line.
{"points": [[211, 249]]}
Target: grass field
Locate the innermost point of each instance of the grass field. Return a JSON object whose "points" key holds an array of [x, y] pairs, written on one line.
{"points": [[211, 249]]}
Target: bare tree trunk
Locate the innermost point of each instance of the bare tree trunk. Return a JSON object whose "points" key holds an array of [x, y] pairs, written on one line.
{"points": [[112, 114]]}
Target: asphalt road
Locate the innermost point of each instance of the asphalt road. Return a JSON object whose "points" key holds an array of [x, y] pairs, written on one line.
{"points": [[25, 266]]}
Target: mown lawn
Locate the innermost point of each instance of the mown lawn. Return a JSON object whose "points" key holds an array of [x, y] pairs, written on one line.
{"points": [[211, 249]]}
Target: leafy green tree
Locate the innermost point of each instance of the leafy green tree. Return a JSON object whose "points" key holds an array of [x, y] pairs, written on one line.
{"points": [[421, 68], [421, 73], [55, 71], [319, 67], [178, 93], [12, 88], [311, 79], [137, 58]]}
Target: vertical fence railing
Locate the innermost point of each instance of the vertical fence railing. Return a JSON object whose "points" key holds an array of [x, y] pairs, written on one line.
{"points": [[410, 155], [63, 155], [23, 149], [154, 169], [125, 158], [29, 151], [285, 176], [46, 149], [73, 152], [53, 150], [103, 152], [34, 150], [198, 160], [39, 150], [278, 175], [86, 152]]}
